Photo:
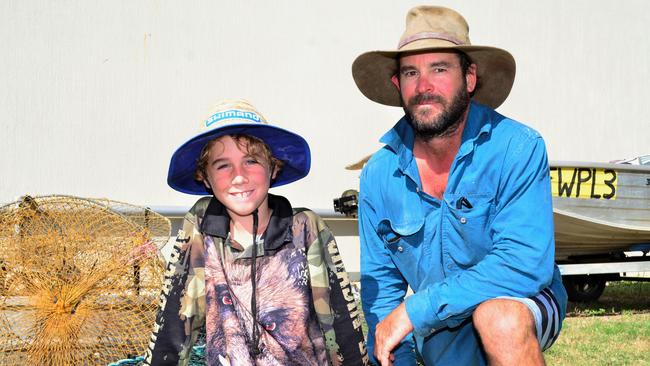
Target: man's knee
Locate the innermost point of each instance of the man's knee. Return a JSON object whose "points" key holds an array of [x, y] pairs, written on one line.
{"points": [[507, 332], [503, 318]]}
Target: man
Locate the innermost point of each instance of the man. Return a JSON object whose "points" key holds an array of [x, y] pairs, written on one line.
{"points": [[456, 206]]}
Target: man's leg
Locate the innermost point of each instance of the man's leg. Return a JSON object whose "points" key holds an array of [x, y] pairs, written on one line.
{"points": [[507, 331], [514, 331]]}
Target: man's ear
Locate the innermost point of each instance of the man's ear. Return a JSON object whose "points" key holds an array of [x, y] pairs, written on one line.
{"points": [[395, 80], [471, 78]]}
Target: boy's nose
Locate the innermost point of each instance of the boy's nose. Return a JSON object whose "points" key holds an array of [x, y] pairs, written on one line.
{"points": [[239, 176]]}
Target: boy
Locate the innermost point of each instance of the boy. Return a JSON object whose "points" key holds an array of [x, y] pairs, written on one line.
{"points": [[261, 279]]}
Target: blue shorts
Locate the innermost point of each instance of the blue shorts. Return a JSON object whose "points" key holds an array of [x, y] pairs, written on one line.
{"points": [[546, 312]]}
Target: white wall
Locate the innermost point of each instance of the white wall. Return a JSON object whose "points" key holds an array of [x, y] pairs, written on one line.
{"points": [[96, 95]]}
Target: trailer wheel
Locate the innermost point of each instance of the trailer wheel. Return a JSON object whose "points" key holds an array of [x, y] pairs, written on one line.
{"points": [[584, 288]]}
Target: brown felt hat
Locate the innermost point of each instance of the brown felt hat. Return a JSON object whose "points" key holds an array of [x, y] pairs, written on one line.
{"points": [[435, 28]]}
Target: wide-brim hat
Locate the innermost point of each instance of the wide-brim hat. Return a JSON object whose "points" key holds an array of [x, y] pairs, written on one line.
{"points": [[230, 117], [435, 28]]}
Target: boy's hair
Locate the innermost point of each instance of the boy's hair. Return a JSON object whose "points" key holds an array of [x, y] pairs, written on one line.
{"points": [[251, 145]]}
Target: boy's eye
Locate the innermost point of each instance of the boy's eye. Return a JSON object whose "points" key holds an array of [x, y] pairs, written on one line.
{"points": [[221, 166], [251, 161]]}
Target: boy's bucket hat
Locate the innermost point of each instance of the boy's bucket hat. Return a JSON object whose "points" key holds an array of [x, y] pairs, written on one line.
{"points": [[231, 117]]}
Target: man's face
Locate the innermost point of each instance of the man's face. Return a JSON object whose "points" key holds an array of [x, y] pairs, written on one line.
{"points": [[434, 91], [239, 181]]}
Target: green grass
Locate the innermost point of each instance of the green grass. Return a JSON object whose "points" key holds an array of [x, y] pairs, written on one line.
{"points": [[615, 330], [603, 340], [618, 298]]}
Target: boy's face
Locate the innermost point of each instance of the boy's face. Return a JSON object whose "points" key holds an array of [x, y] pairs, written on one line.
{"points": [[238, 180]]}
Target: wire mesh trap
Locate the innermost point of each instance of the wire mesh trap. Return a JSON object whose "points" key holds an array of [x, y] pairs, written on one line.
{"points": [[79, 280]]}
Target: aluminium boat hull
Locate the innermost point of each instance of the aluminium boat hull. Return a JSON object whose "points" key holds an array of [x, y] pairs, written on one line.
{"points": [[599, 208]]}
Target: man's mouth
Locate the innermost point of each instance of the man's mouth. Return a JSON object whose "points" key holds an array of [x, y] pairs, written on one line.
{"points": [[426, 99]]}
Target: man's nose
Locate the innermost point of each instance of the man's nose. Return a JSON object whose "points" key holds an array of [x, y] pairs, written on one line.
{"points": [[423, 85]]}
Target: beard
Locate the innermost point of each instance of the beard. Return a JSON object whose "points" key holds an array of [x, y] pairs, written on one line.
{"points": [[446, 122]]}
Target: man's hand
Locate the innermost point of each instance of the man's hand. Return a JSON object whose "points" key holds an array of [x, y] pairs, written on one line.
{"points": [[389, 332]]}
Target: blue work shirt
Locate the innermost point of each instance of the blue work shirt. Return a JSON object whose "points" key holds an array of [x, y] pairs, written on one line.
{"points": [[490, 235]]}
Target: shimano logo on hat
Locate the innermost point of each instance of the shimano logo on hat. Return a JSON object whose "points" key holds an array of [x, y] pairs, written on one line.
{"points": [[232, 114]]}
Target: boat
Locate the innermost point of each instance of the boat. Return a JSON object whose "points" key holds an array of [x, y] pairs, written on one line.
{"points": [[600, 207]]}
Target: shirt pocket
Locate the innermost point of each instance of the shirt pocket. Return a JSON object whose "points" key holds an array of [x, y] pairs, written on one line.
{"points": [[401, 248], [466, 235]]}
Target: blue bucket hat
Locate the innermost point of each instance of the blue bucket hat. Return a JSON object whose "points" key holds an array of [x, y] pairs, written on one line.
{"points": [[230, 117]]}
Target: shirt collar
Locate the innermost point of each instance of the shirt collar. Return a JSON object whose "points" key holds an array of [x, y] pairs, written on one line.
{"points": [[478, 124], [216, 222], [400, 138]]}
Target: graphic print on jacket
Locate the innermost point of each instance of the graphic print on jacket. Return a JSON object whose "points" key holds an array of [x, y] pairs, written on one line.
{"points": [[320, 327], [283, 305]]}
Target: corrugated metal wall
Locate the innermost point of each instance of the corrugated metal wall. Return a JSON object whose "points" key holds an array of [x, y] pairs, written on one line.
{"points": [[96, 96]]}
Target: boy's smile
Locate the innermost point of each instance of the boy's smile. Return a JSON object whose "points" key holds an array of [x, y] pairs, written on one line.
{"points": [[242, 195]]}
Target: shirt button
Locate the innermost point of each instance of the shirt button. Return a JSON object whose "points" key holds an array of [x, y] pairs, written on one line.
{"points": [[400, 249], [463, 220]]}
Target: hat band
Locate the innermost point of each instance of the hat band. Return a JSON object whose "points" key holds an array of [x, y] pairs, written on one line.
{"points": [[429, 35], [232, 114]]}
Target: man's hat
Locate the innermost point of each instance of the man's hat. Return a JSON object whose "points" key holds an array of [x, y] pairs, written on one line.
{"points": [[435, 28], [231, 117]]}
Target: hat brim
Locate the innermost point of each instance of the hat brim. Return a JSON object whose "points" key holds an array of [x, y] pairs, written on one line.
{"points": [[372, 72], [287, 146]]}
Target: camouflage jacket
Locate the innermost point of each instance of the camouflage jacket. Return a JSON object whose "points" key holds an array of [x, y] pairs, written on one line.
{"points": [[307, 314]]}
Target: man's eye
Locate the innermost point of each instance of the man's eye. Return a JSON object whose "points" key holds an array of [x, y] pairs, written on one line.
{"points": [[439, 69], [410, 73]]}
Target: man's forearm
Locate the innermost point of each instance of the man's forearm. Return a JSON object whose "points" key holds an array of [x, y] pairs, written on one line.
{"points": [[389, 333]]}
